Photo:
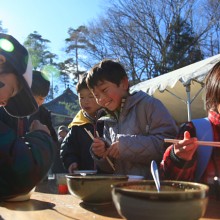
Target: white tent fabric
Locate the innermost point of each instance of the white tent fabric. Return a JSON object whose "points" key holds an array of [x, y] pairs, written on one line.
{"points": [[181, 90]]}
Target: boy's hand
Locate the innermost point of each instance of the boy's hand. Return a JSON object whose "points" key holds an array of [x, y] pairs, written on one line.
{"points": [[186, 148], [98, 147], [113, 150], [36, 125], [72, 167]]}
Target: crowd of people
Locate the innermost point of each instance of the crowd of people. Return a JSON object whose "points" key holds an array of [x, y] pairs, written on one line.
{"points": [[115, 131]]}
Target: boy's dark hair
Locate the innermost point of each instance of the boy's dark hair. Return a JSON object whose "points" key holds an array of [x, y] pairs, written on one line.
{"points": [[108, 70], [81, 84], [212, 87], [40, 84]]}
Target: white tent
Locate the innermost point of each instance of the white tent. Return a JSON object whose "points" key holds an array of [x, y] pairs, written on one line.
{"points": [[182, 90]]}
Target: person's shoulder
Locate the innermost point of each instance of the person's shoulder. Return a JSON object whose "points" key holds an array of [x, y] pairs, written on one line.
{"points": [[142, 99], [43, 109], [143, 96], [79, 130], [187, 126], [152, 101]]}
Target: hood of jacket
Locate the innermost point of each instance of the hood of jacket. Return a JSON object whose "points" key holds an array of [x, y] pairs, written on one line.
{"points": [[79, 119]]}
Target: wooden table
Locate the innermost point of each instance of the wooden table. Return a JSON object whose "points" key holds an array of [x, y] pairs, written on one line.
{"points": [[47, 204]]}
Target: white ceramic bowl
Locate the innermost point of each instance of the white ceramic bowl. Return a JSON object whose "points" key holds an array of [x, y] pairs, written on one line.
{"points": [[22, 197], [176, 200]]}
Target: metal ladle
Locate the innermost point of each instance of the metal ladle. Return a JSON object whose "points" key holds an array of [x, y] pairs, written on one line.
{"points": [[155, 174]]}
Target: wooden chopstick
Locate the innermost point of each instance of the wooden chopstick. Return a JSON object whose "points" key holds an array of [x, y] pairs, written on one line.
{"points": [[92, 137], [202, 143], [89, 133], [107, 158], [97, 133]]}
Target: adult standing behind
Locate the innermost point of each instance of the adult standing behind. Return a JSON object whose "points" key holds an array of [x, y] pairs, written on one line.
{"points": [[24, 161], [186, 160], [62, 132], [135, 127], [58, 166]]}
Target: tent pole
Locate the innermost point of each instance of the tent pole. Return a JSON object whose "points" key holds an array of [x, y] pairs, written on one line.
{"points": [[188, 102]]}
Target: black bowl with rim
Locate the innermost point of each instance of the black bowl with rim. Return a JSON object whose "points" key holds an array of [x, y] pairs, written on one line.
{"points": [[177, 200]]}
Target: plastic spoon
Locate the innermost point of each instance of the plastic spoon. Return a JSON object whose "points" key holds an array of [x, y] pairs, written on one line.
{"points": [[155, 174]]}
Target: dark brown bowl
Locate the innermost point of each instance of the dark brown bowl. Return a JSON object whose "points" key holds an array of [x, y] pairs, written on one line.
{"points": [[176, 200]]}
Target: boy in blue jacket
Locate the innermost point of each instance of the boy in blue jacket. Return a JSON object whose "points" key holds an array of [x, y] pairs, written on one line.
{"points": [[24, 161]]}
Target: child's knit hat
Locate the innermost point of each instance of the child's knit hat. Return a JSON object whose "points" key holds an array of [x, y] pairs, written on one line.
{"points": [[23, 103]]}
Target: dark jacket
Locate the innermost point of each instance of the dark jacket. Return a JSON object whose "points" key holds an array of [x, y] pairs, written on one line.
{"points": [[24, 161], [76, 145], [43, 115]]}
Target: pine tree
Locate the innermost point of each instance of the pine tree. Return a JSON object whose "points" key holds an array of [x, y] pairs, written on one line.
{"points": [[183, 49]]}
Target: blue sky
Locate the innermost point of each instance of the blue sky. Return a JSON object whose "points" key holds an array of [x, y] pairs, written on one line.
{"points": [[50, 18]]}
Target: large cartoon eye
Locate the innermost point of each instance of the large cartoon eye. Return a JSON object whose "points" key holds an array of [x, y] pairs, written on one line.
{"points": [[6, 45]]}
